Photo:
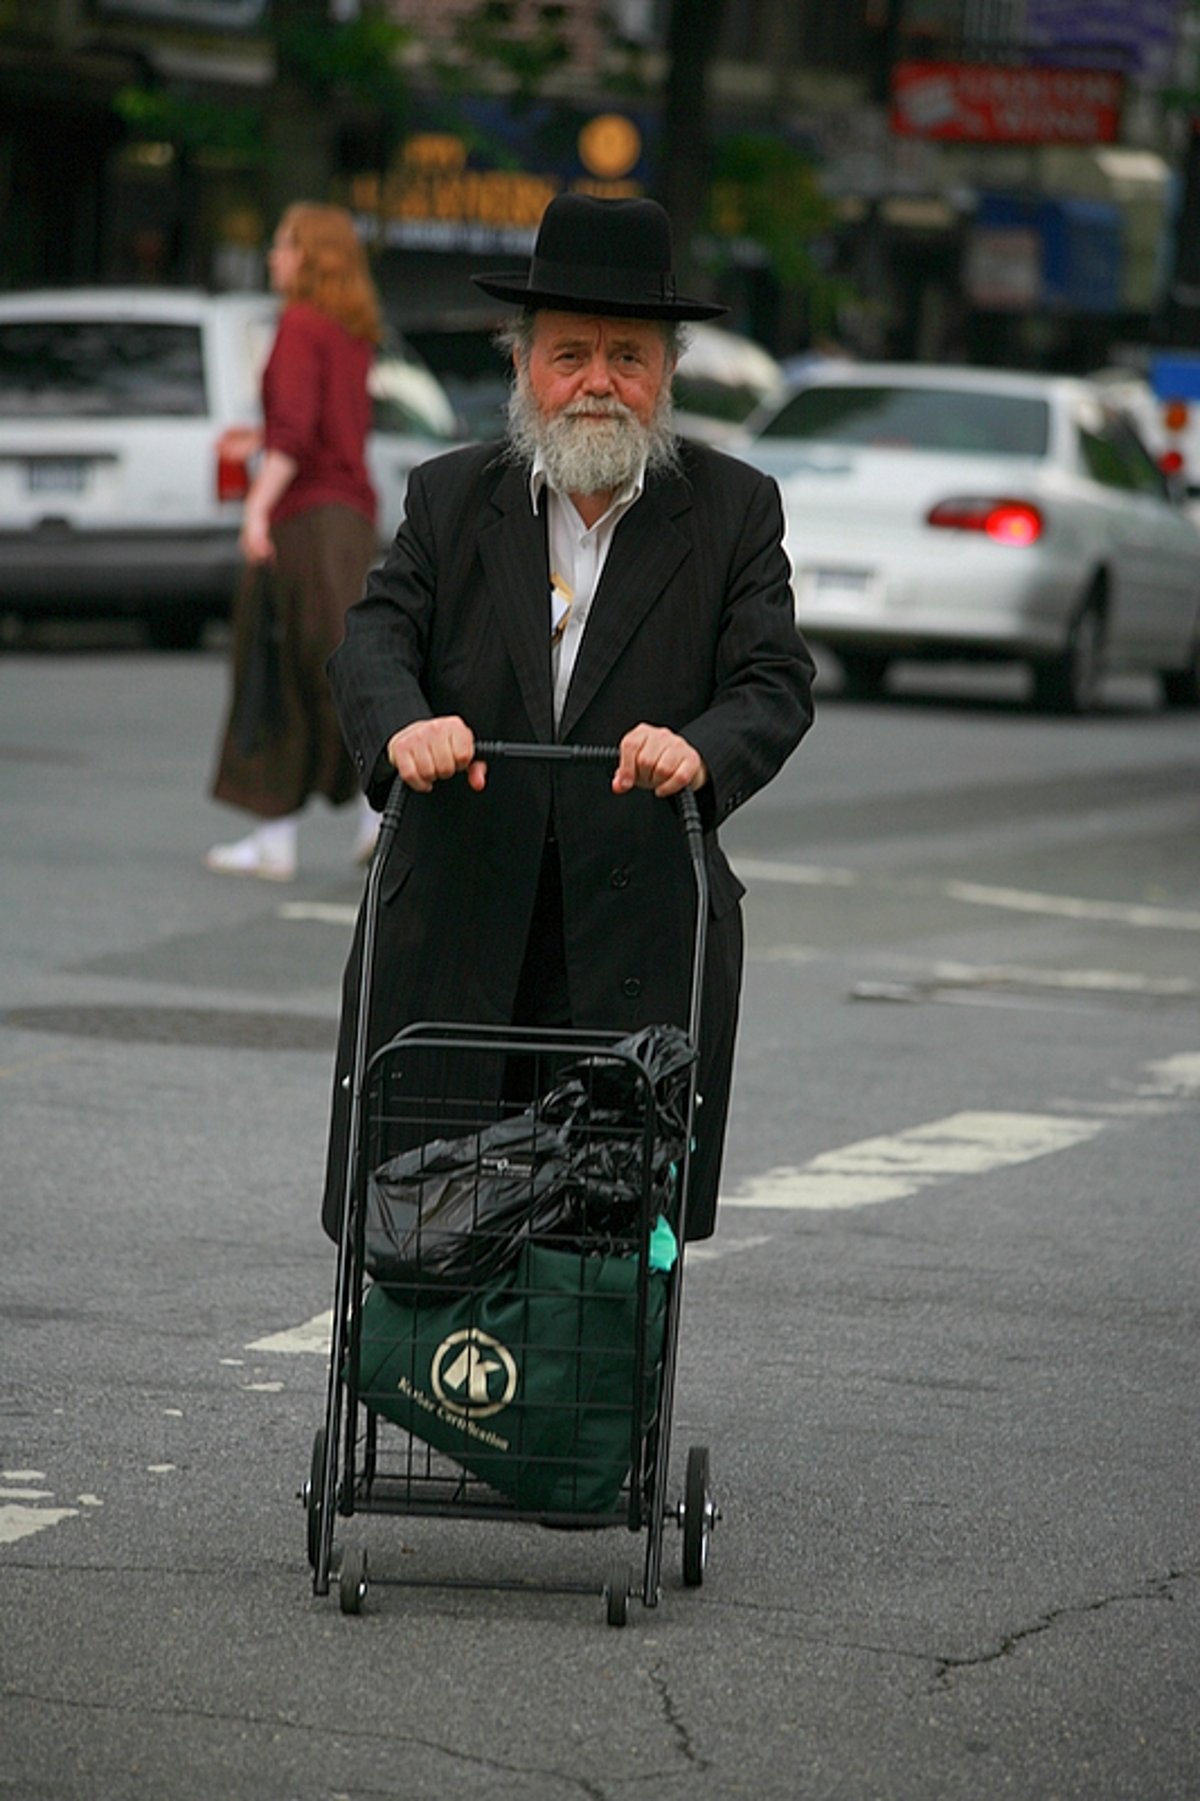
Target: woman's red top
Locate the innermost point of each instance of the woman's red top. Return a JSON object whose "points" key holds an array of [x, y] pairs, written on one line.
{"points": [[317, 410]]}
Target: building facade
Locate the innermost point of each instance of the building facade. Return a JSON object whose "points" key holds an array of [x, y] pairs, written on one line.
{"points": [[907, 177]]}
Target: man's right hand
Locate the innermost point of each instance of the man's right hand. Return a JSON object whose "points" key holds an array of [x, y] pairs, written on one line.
{"points": [[432, 750]]}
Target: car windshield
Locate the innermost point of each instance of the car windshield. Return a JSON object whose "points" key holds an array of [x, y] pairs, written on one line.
{"points": [[100, 368], [900, 418]]}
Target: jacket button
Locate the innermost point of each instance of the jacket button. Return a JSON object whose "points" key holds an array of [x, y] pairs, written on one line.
{"points": [[619, 878], [631, 988]]}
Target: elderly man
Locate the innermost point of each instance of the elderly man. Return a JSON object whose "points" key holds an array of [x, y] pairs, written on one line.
{"points": [[592, 581]]}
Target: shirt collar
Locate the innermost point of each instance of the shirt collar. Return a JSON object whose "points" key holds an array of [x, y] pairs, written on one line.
{"points": [[539, 482]]}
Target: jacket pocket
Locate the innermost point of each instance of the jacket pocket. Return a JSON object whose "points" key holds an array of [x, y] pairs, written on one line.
{"points": [[397, 871], [724, 888]]}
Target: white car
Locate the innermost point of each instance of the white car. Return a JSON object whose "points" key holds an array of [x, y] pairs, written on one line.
{"points": [[721, 379], [114, 496], [942, 513]]}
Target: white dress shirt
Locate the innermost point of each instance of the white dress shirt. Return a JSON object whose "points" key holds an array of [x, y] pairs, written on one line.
{"points": [[577, 556]]}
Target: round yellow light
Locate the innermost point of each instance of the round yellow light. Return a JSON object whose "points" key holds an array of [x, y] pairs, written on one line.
{"points": [[609, 145]]}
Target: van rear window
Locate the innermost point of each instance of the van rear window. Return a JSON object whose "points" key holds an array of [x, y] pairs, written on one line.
{"points": [[101, 369]]}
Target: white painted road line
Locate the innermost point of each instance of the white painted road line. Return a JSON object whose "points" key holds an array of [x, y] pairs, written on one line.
{"points": [[979, 894], [17, 1522], [312, 1336], [868, 1172], [1064, 906], [894, 1168], [330, 913], [803, 875], [809, 875], [712, 1253], [1098, 981], [20, 1512], [1174, 1075]]}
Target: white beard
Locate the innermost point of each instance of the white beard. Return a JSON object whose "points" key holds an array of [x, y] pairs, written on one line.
{"points": [[589, 455]]}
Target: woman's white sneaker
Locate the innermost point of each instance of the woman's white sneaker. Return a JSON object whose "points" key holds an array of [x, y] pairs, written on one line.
{"points": [[256, 855]]}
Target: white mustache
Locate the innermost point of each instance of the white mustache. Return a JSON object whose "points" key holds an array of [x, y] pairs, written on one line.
{"points": [[606, 409]]}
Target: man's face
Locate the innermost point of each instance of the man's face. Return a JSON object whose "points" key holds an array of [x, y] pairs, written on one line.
{"points": [[593, 398], [575, 359]]}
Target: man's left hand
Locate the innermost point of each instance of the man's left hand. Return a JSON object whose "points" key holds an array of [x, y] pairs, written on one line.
{"points": [[653, 757]]}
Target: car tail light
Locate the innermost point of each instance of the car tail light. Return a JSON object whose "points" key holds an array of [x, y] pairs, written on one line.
{"points": [[1007, 521], [233, 475], [1171, 462]]}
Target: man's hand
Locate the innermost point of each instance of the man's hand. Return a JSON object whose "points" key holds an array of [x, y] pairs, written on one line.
{"points": [[653, 757], [432, 750]]}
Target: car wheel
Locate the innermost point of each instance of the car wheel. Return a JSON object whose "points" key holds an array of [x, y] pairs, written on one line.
{"points": [[1070, 682], [174, 631], [863, 673], [1181, 687]]}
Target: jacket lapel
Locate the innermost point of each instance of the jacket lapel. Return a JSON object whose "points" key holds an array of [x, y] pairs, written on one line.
{"points": [[647, 548], [512, 550]]}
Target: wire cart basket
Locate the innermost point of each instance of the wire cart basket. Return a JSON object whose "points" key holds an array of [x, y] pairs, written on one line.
{"points": [[509, 1277]]}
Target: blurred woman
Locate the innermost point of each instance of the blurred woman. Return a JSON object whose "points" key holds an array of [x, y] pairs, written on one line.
{"points": [[308, 538]]}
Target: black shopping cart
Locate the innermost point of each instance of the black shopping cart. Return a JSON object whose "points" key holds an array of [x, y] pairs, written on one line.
{"points": [[509, 1277]]}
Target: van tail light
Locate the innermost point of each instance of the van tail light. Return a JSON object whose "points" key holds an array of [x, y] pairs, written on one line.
{"points": [[1007, 521], [1171, 462], [233, 474]]}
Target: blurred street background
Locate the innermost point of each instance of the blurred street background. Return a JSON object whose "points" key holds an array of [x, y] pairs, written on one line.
{"points": [[943, 1345], [1000, 181]]}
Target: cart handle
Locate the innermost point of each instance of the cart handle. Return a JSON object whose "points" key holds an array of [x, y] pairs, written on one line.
{"points": [[495, 749], [486, 748]]}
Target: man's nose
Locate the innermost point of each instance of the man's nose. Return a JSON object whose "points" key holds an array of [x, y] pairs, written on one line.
{"points": [[597, 377]]}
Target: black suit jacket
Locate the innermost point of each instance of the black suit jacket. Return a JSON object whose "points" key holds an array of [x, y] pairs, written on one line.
{"points": [[692, 628]]}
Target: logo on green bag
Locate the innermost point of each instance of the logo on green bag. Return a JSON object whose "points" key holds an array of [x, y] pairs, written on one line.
{"points": [[472, 1372]]}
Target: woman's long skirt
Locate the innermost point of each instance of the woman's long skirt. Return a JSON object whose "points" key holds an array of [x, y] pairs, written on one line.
{"points": [[282, 742]]}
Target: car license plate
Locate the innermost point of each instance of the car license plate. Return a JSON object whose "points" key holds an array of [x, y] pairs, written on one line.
{"points": [[56, 475], [847, 589]]}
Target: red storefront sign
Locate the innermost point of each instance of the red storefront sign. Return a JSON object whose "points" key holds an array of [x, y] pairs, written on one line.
{"points": [[991, 104]]}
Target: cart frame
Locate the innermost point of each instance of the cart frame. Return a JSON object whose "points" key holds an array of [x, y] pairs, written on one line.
{"points": [[339, 1485]]}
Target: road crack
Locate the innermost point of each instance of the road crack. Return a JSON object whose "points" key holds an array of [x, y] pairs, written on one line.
{"points": [[675, 1721], [1157, 1588]]}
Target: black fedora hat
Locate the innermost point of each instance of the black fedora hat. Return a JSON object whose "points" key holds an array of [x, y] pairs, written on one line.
{"points": [[601, 256]]}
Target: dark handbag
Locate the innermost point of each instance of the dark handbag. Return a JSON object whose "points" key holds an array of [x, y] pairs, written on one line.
{"points": [[258, 705]]}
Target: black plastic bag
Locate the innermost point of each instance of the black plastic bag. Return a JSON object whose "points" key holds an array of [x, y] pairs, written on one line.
{"points": [[450, 1214]]}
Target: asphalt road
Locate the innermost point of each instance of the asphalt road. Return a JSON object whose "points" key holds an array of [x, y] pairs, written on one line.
{"points": [[943, 1347]]}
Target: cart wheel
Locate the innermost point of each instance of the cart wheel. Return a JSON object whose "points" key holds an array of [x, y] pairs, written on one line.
{"points": [[616, 1593], [352, 1582], [313, 1498], [698, 1516]]}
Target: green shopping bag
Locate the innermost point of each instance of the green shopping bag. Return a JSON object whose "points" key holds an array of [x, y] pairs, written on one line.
{"points": [[528, 1384]]}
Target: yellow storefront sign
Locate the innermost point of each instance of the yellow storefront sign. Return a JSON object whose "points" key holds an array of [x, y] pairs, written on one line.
{"points": [[431, 195]]}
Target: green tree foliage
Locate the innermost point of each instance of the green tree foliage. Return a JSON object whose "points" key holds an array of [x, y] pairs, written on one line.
{"points": [[191, 124], [357, 59], [355, 64], [767, 191]]}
